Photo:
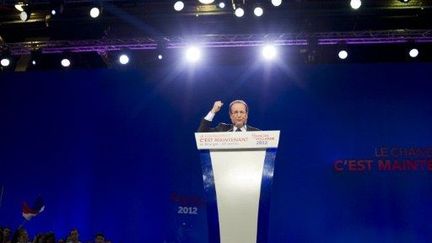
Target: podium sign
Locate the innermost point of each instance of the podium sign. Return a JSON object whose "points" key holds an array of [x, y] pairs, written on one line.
{"points": [[237, 175], [237, 140]]}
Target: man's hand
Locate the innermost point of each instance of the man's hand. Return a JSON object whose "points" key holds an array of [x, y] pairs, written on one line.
{"points": [[217, 106]]}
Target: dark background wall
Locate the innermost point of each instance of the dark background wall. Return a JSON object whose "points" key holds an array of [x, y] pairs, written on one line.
{"points": [[113, 150]]}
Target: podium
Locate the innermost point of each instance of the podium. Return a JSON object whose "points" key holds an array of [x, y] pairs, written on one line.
{"points": [[237, 175]]}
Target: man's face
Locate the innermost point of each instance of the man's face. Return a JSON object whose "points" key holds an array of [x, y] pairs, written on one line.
{"points": [[238, 114]]}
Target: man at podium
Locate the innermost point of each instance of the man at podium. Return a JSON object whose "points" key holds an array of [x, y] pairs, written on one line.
{"points": [[238, 112]]}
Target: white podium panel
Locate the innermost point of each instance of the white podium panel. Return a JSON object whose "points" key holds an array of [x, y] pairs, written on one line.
{"points": [[236, 165], [237, 179]]}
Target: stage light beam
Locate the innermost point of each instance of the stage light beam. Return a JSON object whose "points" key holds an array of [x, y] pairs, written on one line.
{"points": [[355, 4], [123, 59], [94, 12], [258, 11], [178, 6], [239, 12], [57, 7], [65, 62], [25, 15], [5, 62], [206, 1], [269, 52], [343, 54], [276, 3], [193, 54], [414, 53]]}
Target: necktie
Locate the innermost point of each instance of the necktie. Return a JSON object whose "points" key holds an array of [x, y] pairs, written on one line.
{"points": [[238, 130]]}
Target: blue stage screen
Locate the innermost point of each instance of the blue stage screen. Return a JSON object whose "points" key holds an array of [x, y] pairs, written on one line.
{"points": [[113, 151]]}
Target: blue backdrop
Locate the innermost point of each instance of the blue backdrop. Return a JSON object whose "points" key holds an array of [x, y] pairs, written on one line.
{"points": [[113, 151]]}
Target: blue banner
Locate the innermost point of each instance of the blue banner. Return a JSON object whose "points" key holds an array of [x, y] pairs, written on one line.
{"points": [[113, 151]]}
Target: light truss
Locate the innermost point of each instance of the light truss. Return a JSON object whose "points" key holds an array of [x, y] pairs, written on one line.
{"points": [[223, 41]]}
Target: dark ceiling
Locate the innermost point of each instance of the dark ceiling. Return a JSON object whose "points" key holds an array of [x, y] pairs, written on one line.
{"points": [[147, 24], [131, 19]]}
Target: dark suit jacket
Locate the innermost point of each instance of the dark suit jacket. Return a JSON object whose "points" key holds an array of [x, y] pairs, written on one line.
{"points": [[205, 126]]}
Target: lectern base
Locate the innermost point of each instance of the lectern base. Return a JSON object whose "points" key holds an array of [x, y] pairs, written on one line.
{"points": [[237, 184]]}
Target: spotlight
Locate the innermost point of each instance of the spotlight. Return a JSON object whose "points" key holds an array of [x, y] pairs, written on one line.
{"points": [[57, 7], [239, 12], [35, 56], [95, 12], [258, 11], [124, 59], [221, 5], [343, 54], [25, 15], [5, 62], [206, 1], [193, 54], [65, 62], [161, 49], [238, 7], [276, 3], [178, 6], [56, 11], [404, 1], [5, 57], [355, 4], [414, 53], [269, 52]]}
